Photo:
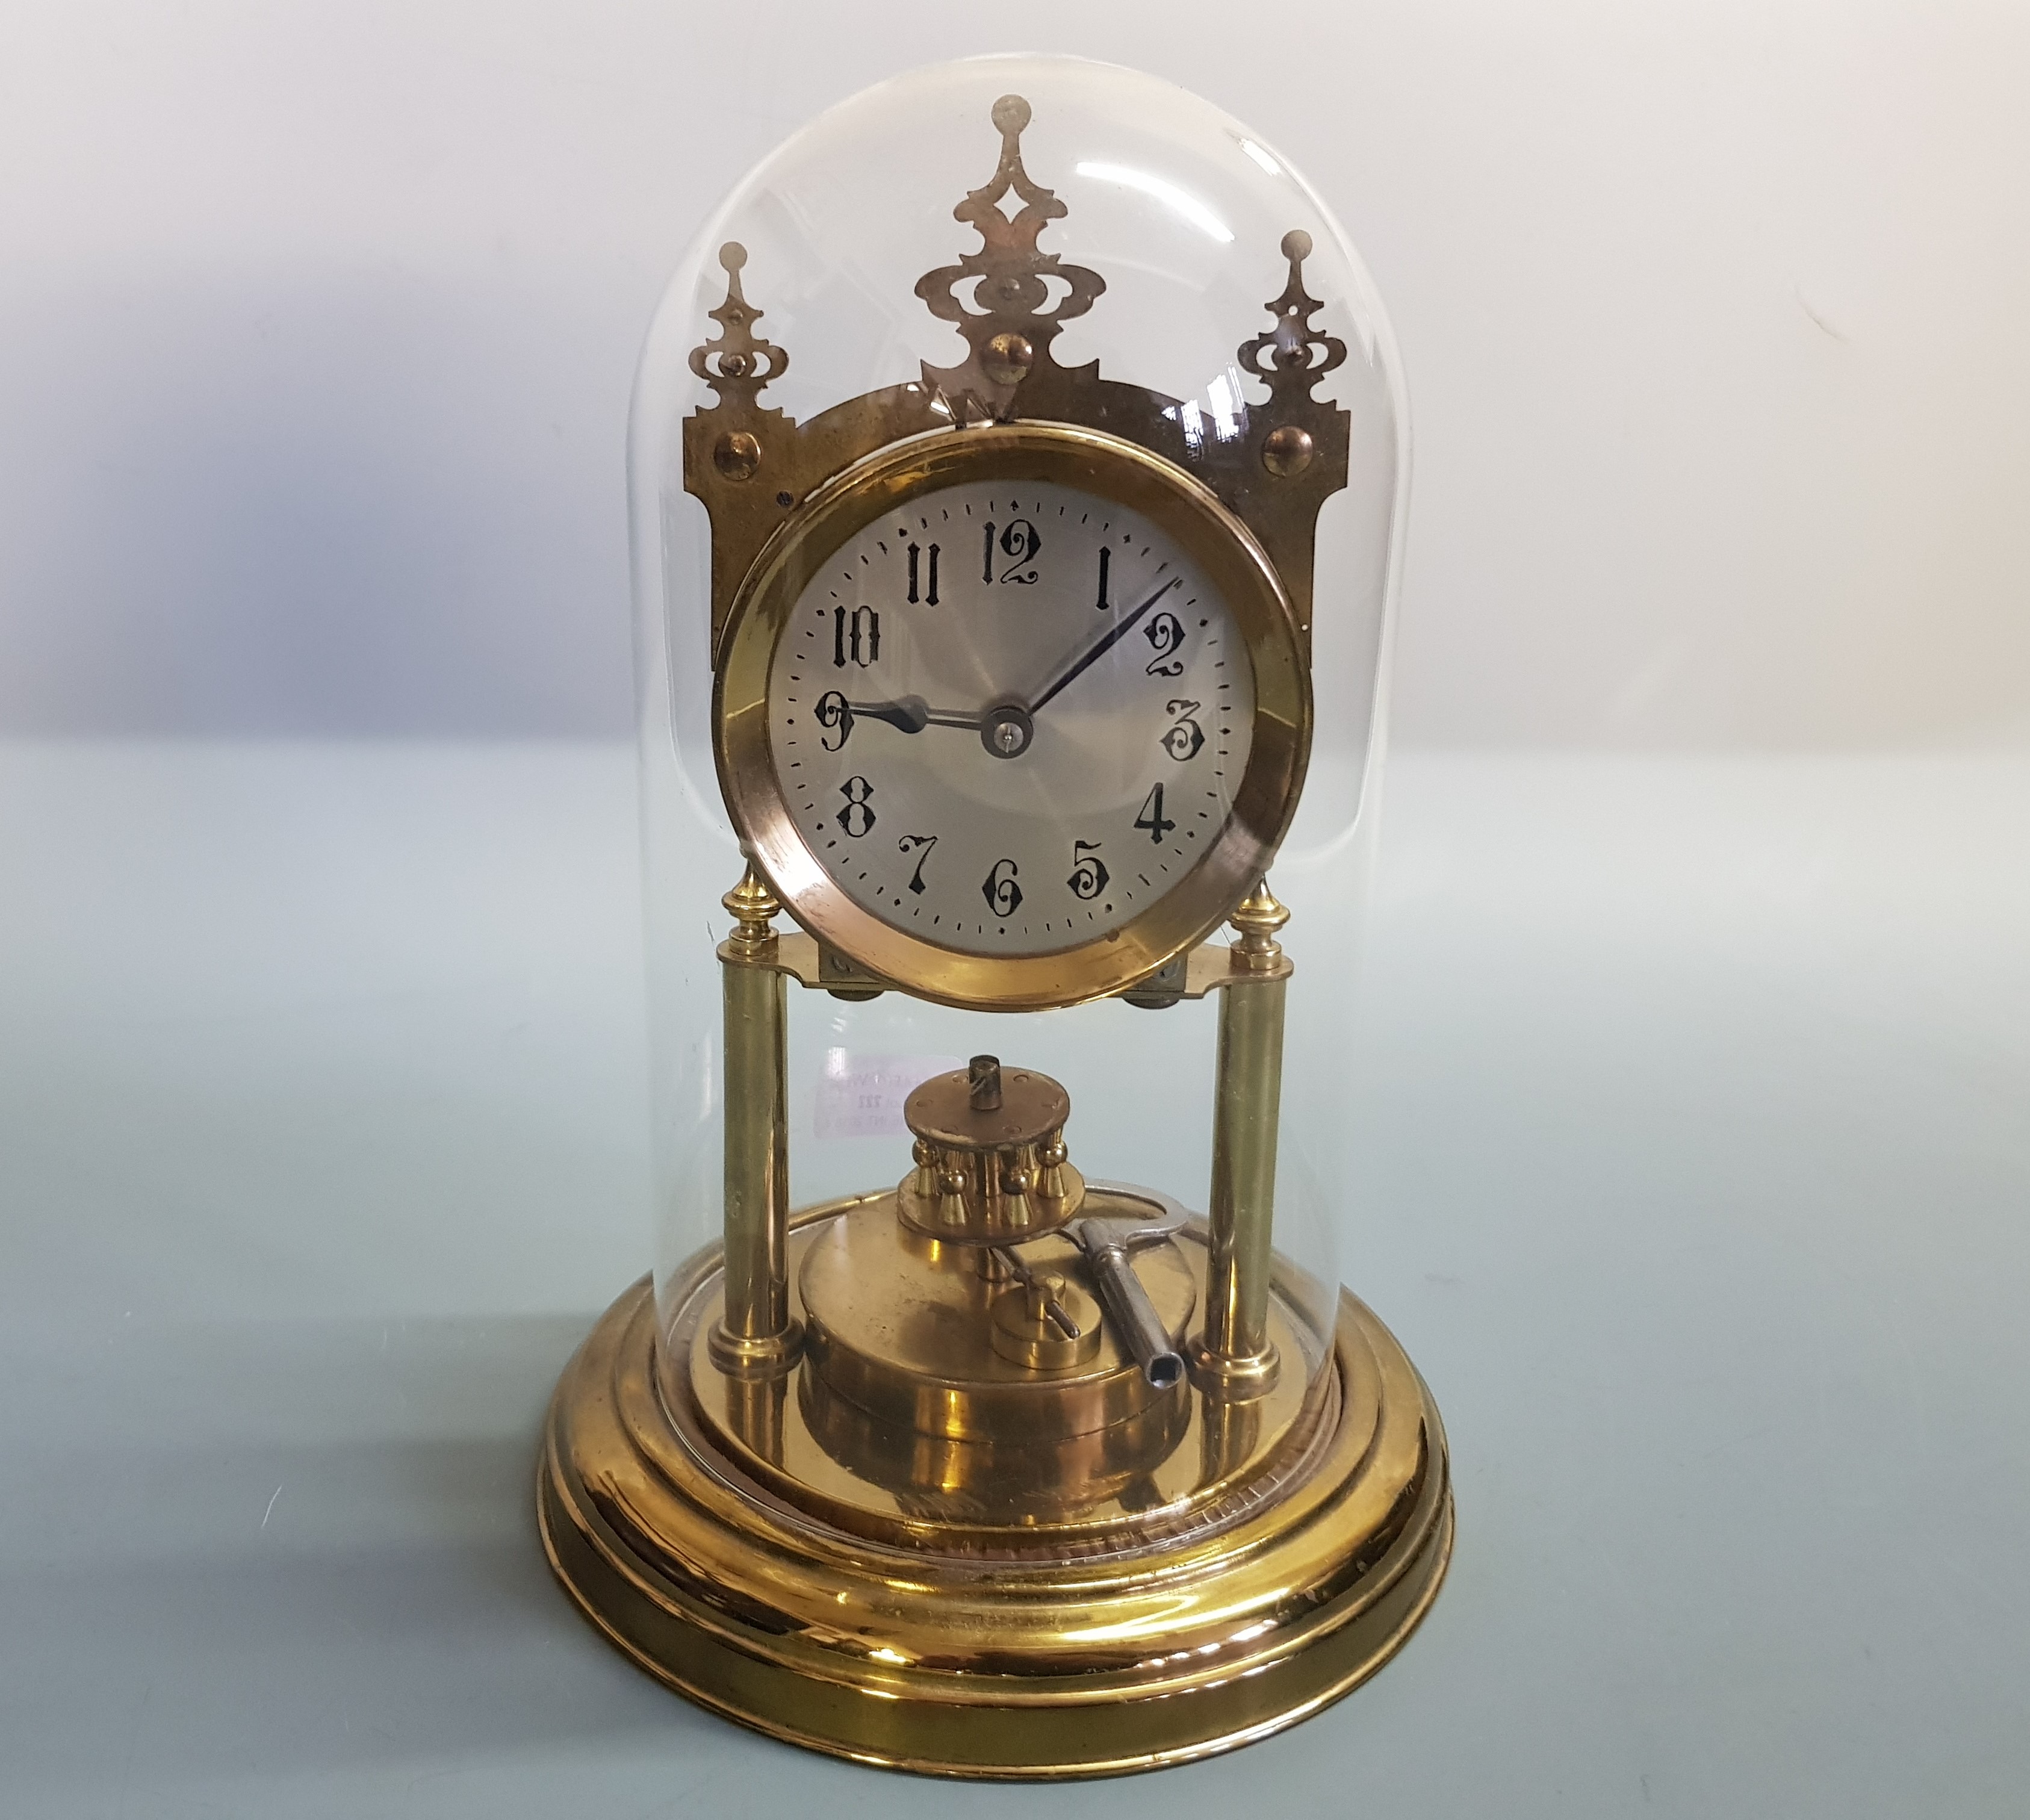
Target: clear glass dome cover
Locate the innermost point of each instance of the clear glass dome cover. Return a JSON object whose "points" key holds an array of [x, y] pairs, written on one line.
{"points": [[1186, 218]]}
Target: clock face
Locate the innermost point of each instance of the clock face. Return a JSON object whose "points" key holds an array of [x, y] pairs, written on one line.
{"points": [[1007, 718]]}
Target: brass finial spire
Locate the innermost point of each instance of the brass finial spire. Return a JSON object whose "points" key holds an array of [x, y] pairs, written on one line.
{"points": [[1258, 919], [736, 363], [1292, 371], [754, 908], [1011, 330]]}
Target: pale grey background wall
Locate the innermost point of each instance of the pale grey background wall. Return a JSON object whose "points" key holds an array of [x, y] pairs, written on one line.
{"points": [[1692, 1091], [317, 323]]}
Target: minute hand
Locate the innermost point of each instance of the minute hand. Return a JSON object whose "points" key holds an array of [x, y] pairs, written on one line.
{"points": [[1098, 650]]}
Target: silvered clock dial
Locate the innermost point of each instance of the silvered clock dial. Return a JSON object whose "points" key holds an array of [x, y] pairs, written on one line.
{"points": [[1007, 718]]}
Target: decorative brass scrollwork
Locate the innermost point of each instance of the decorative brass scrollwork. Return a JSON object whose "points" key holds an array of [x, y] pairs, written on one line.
{"points": [[1012, 331], [736, 363], [1292, 371], [754, 466]]}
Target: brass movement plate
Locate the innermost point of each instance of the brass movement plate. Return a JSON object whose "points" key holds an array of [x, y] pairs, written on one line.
{"points": [[1140, 1621]]}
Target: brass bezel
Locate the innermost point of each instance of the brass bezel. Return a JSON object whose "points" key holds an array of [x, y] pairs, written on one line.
{"points": [[1130, 476]]}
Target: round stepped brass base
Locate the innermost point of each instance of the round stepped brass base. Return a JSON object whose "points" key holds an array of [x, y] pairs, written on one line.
{"points": [[974, 1660]]}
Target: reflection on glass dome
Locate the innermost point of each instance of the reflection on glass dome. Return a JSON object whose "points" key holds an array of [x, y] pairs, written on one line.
{"points": [[1014, 566]]}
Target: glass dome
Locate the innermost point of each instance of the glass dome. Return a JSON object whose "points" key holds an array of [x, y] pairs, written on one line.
{"points": [[1181, 253]]}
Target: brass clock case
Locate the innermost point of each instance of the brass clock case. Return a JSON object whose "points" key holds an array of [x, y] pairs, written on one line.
{"points": [[1125, 474], [989, 1469]]}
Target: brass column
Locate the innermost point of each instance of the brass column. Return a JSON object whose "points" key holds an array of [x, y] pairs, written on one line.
{"points": [[1235, 1355], [756, 1332]]}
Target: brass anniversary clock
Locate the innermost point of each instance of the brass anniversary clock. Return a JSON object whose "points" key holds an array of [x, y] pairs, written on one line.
{"points": [[994, 1410]]}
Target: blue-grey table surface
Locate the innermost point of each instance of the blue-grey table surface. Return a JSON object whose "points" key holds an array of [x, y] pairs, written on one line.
{"points": [[1695, 1095]]}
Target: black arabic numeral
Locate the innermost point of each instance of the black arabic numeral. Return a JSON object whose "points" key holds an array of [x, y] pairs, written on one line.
{"points": [[1106, 562], [1089, 875], [1003, 895], [833, 710], [1184, 737], [857, 818], [1151, 817], [1020, 543], [1164, 635], [920, 845], [930, 571], [858, 638]]}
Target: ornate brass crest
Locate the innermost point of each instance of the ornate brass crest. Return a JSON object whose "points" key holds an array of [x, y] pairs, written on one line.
{"points": [[1014, 329], [753, 465]]}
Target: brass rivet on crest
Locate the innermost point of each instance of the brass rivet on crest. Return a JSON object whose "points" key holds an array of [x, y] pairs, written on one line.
{"points": [[737, 454], [1007, 358], [1287, 450]]}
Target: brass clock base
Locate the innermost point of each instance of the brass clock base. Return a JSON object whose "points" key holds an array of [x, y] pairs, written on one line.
{"points": [[1117, 1652]]}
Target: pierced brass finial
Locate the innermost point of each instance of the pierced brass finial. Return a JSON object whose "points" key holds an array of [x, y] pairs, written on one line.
{"points": [[1257, 918], [1011, 330], [736, 363], [754, 906], [1292, 369]]}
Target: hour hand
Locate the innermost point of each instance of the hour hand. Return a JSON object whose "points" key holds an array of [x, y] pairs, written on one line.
{"points": [[910, 714]]}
